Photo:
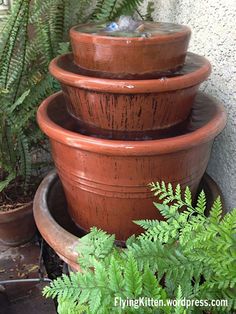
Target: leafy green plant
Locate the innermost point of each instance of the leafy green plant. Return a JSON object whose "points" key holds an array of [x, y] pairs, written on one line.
{"points": [[189, 255], [35, 33]]}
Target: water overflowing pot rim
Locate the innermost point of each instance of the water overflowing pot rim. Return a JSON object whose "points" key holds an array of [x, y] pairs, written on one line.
{"points": [[130, 148], [154, 39], [127, 86]]}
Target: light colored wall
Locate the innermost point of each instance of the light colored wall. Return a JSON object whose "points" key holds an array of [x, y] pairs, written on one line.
{"points": [[213, 24]]}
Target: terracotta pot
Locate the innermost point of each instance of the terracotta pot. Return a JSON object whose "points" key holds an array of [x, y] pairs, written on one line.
{"points": [[134, 110], [17, 226], [56, 227], [104, 55], [105, 181]]}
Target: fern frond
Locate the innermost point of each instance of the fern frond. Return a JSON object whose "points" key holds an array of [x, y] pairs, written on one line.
{"points": [[201, 203], [149, 11], [116, 281], [132, 278], [5, 182], [127, 7], [25, 158], [216, 211], [95, 246]]}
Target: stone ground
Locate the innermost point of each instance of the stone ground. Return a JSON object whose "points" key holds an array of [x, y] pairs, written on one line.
{"points": [[23, 298]]}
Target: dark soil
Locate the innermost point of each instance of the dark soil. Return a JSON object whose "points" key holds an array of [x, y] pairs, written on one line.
{"points": [[17, 194], [55, 267]]}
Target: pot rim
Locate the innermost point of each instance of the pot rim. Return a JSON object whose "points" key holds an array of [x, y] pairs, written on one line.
{"points": [[102, 39], [119, 86], [42, 214], [15, 214], [24, 206], [202, 135]]}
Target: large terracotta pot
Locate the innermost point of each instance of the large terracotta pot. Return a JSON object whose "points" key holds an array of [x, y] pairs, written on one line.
{"points": [[139, 109], [101, 54], [56, 227], [17, 226], [105, 181]]}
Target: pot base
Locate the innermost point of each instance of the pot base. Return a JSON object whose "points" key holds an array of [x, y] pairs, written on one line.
{"points": [[57, 228]]}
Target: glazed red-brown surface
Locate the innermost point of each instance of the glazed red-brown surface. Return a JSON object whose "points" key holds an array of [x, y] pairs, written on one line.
{"points": [[17, 226], [129, 57], [121, 109], [105, 181], [50, 212]]}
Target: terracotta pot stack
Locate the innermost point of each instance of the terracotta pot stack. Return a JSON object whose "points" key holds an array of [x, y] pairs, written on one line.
{"points": [[128, 115]]}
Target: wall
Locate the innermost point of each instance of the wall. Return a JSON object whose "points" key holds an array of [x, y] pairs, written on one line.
{"points": [[4, 9], [213, 24]]}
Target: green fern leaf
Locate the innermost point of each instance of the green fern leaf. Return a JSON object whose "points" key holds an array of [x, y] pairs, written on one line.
{"points": [[132, 278], [115, 277]]}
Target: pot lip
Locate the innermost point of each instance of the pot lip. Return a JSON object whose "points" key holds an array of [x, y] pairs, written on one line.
{"points": [[125, 41], [120, 86], [130, 148], [25, 206], [42, 215]]}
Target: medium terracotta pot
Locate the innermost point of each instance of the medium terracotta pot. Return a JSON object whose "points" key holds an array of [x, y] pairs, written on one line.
{"points": [[103, 55], [17, 226], [139, 109], [56, 227], [105, 181]]}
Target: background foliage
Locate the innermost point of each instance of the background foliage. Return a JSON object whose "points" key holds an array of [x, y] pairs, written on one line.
{"points": [[34, 34]]}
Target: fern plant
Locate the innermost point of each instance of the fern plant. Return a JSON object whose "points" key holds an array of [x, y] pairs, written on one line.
{"points": [[189, 255], [35, 33]]}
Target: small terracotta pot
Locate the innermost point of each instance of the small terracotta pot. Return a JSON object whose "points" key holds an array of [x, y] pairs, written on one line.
{"points": [[134, 110], [130, 57], [17, 226], [105, 181], [54, 224]]}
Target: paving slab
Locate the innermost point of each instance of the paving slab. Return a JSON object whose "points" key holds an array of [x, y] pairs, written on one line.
{"points": [[23, 262]]}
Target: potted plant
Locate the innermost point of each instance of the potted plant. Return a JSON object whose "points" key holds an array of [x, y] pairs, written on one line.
{"points": [[18, 181], [186, 259]]}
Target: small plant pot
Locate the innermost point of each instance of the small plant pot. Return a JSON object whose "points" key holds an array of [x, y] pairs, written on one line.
{"points": [[105, 181], [17, 226], [140, 56], [132, 110], [56, 227]]}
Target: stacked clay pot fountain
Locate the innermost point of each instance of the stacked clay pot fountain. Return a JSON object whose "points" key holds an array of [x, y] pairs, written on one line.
{"points": [[129, 114]]}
